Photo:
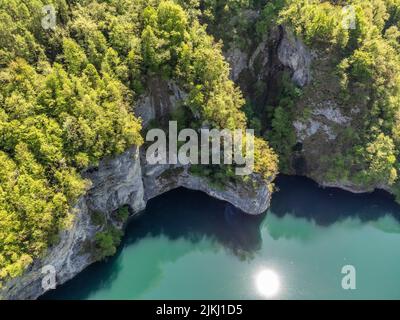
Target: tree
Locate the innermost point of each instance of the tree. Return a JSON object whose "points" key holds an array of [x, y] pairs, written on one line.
{"points": [[75, 57], [381, 159]]}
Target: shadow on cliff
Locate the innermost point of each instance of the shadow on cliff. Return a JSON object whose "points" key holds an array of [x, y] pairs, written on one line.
{"points": [[303, 198]]}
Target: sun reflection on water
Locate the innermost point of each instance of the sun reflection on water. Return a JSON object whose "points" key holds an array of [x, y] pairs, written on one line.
{"points": [[268, 283]]}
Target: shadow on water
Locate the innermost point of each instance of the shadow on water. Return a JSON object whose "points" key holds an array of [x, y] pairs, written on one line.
{"points": [[303, 198], [193, 216]]}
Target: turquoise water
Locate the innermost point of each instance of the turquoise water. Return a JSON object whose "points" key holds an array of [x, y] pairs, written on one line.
{"points": [[189, 246]]}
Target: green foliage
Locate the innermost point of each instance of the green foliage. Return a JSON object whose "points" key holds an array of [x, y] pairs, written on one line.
{"points": [[218, 176], [123, 214], [282, 135], [318, 22], [230, 20], [74, 56], [63, 107], [380, 156], [372, 70], [253, 120], [269, 16], [265, 160], [265, 164], [98, 218]]}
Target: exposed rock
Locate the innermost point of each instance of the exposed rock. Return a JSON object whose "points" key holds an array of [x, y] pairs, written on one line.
{"points": [[238, 62], [293, 54], [250, 199], [145, 109], [331, 112], [116, 182], [325, 117], [259, 59], [310, 128], [68, 258]]}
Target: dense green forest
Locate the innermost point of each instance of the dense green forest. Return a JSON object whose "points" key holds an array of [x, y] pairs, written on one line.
{"points": [[67, 95]]}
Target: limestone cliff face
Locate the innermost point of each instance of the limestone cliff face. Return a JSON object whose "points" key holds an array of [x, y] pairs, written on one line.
{"points": [[277, 51], [117, 182], [157, 104], [292, 53], [321, 122], [321, 119], [159, 101], [253, 198], [66, 258]]}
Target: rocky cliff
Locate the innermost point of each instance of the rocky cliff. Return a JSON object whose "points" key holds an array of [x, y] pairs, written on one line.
{"points": [[128, 180], [252, 198], [114, 183], [277, 51]]}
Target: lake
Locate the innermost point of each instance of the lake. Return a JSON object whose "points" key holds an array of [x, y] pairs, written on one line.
{"points": [[187, 245]]}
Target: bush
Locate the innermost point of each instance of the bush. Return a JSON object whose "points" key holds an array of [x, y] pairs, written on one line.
{"points": [[106, 243]]}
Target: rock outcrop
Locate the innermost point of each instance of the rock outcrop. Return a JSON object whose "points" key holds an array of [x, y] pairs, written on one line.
{"points": [[116, 182], [238, 61], [279, 47], [159, 101], [319, 120], [67, 258]]}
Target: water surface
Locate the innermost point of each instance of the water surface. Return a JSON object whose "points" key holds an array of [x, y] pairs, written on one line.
{"points": [[187, 245]]}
